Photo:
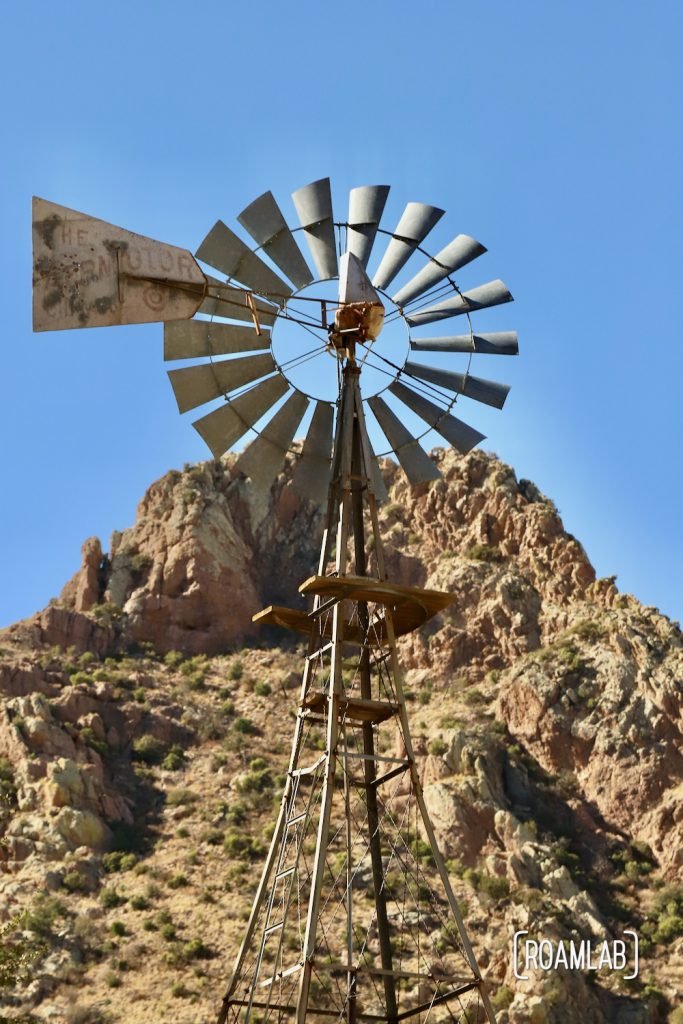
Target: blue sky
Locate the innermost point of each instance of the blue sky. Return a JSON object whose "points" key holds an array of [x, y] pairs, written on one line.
{"points": [[551, 132]]}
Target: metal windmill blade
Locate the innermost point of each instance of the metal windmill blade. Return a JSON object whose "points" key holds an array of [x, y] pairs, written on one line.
{"points": [[265, 223], [366, 205], [491, 294], [500, 343], [416, 222], [314, 206], [458, 253]]}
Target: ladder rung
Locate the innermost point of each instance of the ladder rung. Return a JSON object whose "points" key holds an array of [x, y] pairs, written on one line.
{"points": [[296, 819], [285, 873], [321, 650], [281, 974], [273, 928]]}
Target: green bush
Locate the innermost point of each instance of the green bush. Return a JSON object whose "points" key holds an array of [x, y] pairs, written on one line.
{"points": [[262, 689], [174, 759], [117, 860], [484, 553], [8, 788], [74, 881], [117, 928], [148, 749], [168, 931], [244, 726], [42, 916], [242, 846], [437, 747], [236, 670], [88, 736], [494, 885], [178, 881], [181, 797], [173, 659], [110, 898], [257, 779], [195, 949], [139, 902], [17, 952], [212, 836]]}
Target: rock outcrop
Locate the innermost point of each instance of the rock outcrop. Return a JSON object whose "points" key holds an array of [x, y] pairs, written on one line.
{"points": [[546, 710]]}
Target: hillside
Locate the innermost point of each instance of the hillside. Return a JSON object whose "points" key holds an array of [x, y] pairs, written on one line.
{"points": [[144, 732]]}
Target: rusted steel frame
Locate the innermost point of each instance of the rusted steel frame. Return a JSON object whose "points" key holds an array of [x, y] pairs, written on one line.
{"points": [[357, 488], [339, 490]]}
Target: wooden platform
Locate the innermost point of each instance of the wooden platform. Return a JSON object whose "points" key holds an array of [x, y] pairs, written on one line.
{"points": [[352, 707], [411, 607]]}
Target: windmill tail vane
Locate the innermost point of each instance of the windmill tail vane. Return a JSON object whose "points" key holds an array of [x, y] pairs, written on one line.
{"points": [[354, 917]]}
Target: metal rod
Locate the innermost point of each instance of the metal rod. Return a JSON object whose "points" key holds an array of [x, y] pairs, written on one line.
{"points": [[384, 935]]}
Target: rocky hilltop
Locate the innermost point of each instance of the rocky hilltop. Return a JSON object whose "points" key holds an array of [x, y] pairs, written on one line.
{"points": [[142, 748]]}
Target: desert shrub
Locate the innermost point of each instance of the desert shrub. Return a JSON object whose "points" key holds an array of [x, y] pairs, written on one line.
{"points": [[228, 708], [195, 949], [181, 797], [117, 860], [173, 659], [168, 931], [110, 898], [236, 669], [484, 553], [257, 779], [566, 858], [242, 846], [117, 928], [87, 658], [667, 914], [139, 695], [503, 997], [140, 564], [236, 814], [113, 980], [80, 678], [178, 881], [74, 881], [244, 726], [179, 990], [588, 630], [262, 689], [437, 747], [139, 902], [212, 836], [17, 952], [41, 918], [148, 749], [88, 736], [494, 885], [174, 759], [8, 788]]}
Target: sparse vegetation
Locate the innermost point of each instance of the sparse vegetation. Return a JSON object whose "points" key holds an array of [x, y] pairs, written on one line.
{"points": [[484, 553]]}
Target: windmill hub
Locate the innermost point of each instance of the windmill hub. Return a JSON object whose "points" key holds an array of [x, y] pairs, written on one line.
{"points": [[356, 322]]}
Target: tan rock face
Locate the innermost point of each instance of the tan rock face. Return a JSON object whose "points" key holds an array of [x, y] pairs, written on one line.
{"points": [[545, 707]]}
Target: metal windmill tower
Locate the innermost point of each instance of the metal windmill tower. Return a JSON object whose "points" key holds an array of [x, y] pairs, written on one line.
{"points": [[354, 917]]}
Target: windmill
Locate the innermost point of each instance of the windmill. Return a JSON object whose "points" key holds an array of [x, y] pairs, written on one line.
{"points": [[354, 917]]}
